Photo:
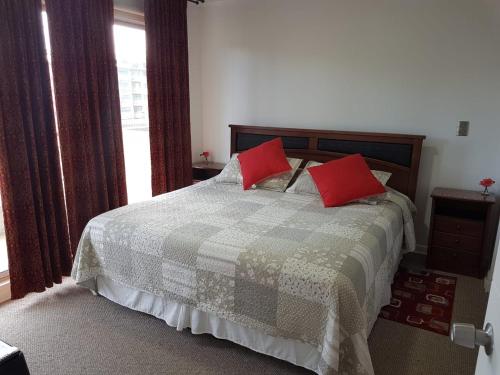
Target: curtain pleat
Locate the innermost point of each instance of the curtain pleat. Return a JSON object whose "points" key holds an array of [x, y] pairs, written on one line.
{"points": [[30, 177], [88, 109], [168, 94]]}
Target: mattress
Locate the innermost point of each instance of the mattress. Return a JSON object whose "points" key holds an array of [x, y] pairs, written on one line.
{"points": [[278, 264]]}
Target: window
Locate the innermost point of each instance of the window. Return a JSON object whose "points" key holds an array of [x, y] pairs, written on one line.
{"points": [[130, 49], [4, 264], [124, 84]]}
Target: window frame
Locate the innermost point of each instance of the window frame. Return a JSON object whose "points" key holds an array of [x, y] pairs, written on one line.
{"points": [[4, 287], [128, 17], [4, 275]]}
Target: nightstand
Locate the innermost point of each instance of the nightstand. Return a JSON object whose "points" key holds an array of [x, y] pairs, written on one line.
{"points": [[462, 231], [205, 170]]}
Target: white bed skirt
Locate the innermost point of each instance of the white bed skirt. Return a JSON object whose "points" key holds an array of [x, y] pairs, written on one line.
{"points": [[182, 316]]}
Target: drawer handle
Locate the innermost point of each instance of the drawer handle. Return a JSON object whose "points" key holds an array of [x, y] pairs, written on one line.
{"points": [[459, 227]]}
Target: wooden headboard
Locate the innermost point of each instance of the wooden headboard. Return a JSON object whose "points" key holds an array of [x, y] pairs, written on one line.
{"points": [[395, 153]]}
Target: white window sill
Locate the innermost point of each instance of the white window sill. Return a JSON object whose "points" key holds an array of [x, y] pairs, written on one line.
{"points": [[4, 290]]}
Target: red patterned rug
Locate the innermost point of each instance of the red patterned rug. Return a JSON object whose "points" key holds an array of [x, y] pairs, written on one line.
{"points": [[422, 299]]}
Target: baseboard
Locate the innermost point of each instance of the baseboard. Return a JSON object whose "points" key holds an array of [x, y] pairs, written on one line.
{"points": [[4, 291], [487, 281]]}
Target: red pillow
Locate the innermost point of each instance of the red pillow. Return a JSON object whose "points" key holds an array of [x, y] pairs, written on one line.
{"points": [[261, 162], [345, 180]]}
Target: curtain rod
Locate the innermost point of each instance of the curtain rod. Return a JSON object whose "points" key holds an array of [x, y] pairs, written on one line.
{"points": [[196, 1]]}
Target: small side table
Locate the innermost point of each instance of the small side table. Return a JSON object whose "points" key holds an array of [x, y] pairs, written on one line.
{"points": [[462, 231], [12, 360], [205, 170]]}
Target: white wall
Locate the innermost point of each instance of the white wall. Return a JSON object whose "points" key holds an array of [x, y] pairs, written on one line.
{"points": [[388, 65]]}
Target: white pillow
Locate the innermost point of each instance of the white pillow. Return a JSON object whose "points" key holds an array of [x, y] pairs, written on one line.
{"points": [[382, 176], [231, 174], [305, 184]]}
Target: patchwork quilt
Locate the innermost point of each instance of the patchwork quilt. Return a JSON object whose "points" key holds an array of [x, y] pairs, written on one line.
{"points": [[277, 262]]}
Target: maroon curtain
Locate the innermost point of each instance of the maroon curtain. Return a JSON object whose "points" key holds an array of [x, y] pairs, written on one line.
{"points": [[30, 176], [88, 108], [168, 94]]}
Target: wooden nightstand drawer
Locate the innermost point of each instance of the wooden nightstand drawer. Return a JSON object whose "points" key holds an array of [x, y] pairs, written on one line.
{"points": [[456, 261], [456, 241], [462, 231], [455, 225]]}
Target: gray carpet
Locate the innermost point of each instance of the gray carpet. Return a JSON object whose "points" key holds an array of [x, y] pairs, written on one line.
{"points": [[68, 331]]}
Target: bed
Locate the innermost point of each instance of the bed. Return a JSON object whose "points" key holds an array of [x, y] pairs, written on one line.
{"points": [[273, 271]]}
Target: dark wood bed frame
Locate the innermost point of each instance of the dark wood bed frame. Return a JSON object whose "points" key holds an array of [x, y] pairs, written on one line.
{"points": [[395, 153]]}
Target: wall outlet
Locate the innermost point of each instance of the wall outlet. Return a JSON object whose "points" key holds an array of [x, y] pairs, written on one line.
{"points": [[463, 129]]}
